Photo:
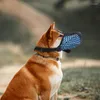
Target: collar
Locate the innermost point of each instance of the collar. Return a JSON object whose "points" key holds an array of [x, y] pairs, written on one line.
{"points": [[41, 49], [57, 59]]}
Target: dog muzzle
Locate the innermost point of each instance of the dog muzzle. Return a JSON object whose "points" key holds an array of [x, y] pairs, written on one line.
{"points": [[68, 42]]}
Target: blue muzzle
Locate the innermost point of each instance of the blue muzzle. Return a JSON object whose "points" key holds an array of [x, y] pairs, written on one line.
{"points": [[68, 42]]}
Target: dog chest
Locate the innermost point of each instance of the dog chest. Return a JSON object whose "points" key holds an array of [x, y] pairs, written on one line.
{"points": [[56, 78]]}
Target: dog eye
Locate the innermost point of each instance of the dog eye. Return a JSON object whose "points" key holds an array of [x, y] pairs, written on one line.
{"points": [[61, 35]]}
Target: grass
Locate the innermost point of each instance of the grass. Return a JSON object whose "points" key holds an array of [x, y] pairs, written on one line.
{"points": [[84, 82]]}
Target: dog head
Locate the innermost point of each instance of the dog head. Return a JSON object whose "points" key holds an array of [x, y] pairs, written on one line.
{"points": [[50, 39]]}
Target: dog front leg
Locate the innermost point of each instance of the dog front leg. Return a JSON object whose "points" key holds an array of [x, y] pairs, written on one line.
{"points": [[54, 97], [45, 96]]}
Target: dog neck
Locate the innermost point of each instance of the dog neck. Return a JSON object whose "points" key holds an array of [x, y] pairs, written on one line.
{"points": [[48, 56]]}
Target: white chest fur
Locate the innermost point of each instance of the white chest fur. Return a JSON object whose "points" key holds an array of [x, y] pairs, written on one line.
{"points": [[56, 78]]}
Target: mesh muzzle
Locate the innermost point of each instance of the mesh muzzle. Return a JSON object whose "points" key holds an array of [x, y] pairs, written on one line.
{"points": [[68, 42]]}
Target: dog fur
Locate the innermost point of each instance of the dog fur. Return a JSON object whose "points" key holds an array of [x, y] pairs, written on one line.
{"points": [[40, 77]]}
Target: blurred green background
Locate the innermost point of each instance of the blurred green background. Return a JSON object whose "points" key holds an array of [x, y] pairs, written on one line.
{"points": [[22, 22]]}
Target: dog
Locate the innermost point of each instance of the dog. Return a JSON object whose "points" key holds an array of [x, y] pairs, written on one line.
{"points": [[41, 76]]}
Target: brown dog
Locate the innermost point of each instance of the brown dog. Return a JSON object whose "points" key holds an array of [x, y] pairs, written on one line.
{"points": [[40, 77]]}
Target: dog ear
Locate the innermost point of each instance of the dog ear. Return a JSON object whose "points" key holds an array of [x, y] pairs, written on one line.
{"points": [[49, 34]]}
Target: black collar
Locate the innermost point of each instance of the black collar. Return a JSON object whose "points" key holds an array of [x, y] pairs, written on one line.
{"points": [[41, 49], [57, 59]]}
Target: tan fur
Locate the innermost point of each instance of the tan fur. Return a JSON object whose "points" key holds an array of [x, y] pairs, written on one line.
{"points": [[34, 81]]}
